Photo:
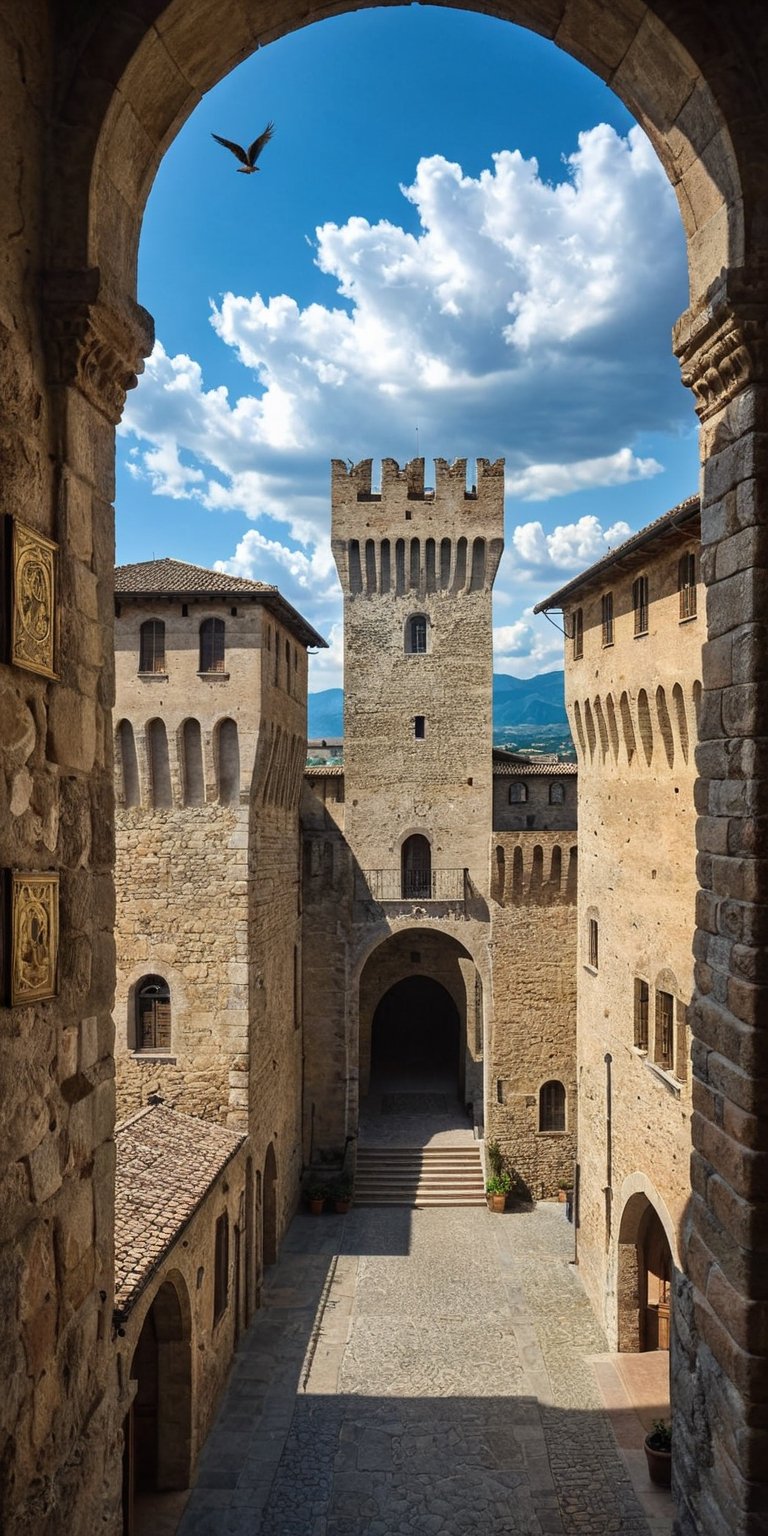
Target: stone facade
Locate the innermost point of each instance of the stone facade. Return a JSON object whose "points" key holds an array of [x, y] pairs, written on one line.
{"points": [[210, 746], [91, 98], [491, 920], [633, 690]]}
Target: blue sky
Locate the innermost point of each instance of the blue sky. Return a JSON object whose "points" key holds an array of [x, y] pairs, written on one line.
{"points": [[456, 229]]}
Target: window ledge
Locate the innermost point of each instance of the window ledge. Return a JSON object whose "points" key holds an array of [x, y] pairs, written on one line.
{"points": [[593, 970], [552, 1133], [641, 634], [689, 619], [155, 1057], [155, 677], [218, 677], [665, 1077]]}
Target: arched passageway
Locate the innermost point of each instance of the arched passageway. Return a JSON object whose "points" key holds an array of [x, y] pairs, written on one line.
{"points": [[158, 1431], [645, 1270], [415, 1034]]}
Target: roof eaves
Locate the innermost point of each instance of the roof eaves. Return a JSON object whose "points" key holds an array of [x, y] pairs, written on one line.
{"points": [[670, 522]]}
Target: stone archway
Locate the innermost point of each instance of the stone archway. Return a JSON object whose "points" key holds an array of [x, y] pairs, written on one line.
{"points": [[95, 95], [415, 1035], [645, 1270], [158, 1437]]}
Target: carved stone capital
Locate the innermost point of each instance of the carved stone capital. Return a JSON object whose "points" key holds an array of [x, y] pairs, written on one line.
{"points": [[722, 345], [92, 344]]}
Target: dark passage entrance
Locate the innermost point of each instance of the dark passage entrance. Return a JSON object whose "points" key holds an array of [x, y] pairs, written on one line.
{"points": [[416, 1033]]}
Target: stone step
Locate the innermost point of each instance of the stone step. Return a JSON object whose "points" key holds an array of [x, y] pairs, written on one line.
{"points": [[419, 1176]]}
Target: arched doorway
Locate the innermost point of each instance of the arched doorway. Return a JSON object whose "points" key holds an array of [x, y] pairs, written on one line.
{"points": [[645, 1271], [269, 1209], [158, 1433], [415, 1035]]}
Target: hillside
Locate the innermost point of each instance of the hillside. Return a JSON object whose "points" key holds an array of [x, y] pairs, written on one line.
{"points": [[532, 701]]}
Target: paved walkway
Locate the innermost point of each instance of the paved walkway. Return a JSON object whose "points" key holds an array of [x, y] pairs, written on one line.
{"points": [[419, 1373]]}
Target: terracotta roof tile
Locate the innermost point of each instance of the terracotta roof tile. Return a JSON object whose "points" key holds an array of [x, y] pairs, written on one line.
{"points": [[166, 1163], [162, 577]]}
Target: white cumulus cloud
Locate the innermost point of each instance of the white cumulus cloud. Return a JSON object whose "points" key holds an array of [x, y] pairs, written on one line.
{"points": [[569, 547], [540, 482]]}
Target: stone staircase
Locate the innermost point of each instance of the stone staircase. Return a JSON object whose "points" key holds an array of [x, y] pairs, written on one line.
{"points": [[419, 1176]]}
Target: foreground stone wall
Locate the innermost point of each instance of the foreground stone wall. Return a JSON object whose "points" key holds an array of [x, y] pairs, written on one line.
{"points": [[533, 965]]}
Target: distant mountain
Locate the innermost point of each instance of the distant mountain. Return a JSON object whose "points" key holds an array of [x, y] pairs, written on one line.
{"points": [[529, 700], [516, 701], [325, 714]]}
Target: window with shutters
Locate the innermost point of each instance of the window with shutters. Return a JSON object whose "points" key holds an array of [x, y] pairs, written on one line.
{"points": [[593, 946], [640, 604], [221, 1267], [642, 995], [153, 1015], [212, 634], [578, 633], [607, 618], [686, 586], [552, 1107], [152, 646], [665, 1027]]}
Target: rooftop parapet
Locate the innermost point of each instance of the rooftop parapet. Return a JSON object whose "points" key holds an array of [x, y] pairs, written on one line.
{"points": [[403, 495]]}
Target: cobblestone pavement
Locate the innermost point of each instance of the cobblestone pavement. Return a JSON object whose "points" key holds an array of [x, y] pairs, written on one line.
{"points": [[418, 1373]]}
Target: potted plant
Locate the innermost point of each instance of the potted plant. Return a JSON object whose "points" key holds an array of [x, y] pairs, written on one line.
{"points": [[316, 1198], [496, 1189], [562, 1193], [658, 1453], [342, 1196]]}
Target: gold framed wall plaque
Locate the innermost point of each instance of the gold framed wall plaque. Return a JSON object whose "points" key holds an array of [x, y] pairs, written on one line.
{"points": [[32, 617], [33, 936]]}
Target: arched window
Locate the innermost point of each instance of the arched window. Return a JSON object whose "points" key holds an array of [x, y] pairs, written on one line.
{"points": [[159, 765], [552, 1107], [153, 1015], [152, 646], [416, 868], [557, 792], [518, 792], [416, 634], [212, 645], [129, 763], [228, 762], [192, 760]]}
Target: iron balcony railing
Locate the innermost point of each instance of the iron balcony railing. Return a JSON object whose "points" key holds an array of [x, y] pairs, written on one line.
{"points": [[448, 885]]}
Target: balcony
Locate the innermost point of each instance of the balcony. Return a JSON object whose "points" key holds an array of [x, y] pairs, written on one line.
{"points": [[411, 893]]}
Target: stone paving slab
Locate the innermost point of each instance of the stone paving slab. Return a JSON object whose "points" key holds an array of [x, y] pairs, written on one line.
{"points": [[432, 1380]]}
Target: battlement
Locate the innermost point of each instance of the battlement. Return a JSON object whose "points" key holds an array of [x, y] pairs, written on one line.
{"points": [[450, 507]]}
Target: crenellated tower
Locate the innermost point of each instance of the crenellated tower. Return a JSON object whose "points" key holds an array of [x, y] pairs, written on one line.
{"points": [[417, 567]]}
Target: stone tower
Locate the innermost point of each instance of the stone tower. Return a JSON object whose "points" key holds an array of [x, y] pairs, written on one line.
{"points": [[417, 568]]}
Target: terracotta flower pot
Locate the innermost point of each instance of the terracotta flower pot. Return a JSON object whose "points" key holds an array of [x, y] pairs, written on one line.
{"points": [[497, 1203], [316, 1207], [659, 1465], [341, 1207]]}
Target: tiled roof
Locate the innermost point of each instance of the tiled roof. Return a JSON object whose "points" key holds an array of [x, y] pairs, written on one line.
{"points": [[678, 517], [163, 577], [175, 578], [166, 1163], [525, 770]]}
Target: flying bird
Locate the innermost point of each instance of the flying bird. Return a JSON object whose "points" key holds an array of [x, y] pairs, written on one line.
{"points": [[248, 156]]}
